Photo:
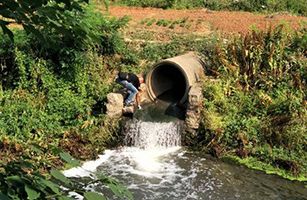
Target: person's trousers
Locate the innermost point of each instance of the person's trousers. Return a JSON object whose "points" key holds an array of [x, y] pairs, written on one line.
{"points": [[131, 90]]}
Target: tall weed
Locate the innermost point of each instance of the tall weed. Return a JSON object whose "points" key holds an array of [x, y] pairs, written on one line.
{"points": [[259, 101], [292, 6]]}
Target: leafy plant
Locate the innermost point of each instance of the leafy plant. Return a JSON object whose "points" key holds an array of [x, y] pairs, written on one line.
{"points": [[293, 6], [258, 100], [22, 179], [35, 15]]}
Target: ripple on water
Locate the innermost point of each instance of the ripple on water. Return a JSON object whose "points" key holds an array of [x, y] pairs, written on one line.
{"points": [[158, 169]]}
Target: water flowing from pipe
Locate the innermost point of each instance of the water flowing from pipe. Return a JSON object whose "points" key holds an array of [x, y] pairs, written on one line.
{"points": [[149, 142], [153, 135], [154, 166]]}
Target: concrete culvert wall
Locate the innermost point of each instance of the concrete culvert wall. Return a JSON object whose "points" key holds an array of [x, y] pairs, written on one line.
{"points": [[171, 79]]}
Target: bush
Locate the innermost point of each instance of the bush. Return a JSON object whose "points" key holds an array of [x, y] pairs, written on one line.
{"points": [[48, 93], [259, 98], [50, 89], [293, 6], [150, 3]]}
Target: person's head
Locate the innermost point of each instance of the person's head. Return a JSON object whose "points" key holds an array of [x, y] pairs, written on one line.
{"points": [[141, 78], [123, 75]]}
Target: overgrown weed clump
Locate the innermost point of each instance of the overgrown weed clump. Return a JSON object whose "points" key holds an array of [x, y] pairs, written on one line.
{"points": [[49, 91], [54, 78], [254, 96], [257, 106]]}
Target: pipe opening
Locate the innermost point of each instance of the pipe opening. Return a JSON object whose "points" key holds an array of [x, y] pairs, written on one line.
{"points": [[168, 82]]}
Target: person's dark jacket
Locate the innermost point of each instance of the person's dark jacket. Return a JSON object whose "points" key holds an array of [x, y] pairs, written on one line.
{"points": [[130, 77]]}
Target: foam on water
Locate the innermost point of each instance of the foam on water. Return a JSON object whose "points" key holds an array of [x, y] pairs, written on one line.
{"points": [[153, 166], [150, 141], [153, 135], [87, 169]]}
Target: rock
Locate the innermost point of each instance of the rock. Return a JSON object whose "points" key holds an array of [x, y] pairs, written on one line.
{"points": [[115, 104], [128, 110], [194, 108], [144, 98], [192, 119]]}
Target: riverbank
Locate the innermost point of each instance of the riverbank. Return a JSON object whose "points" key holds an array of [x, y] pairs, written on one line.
{"points": [[255, 164], [52, 94], [152, 170]]}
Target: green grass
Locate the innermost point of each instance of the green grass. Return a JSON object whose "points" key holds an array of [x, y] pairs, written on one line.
{"points": [[256, 108], [292, 6], [54, 97], [253, 163]]}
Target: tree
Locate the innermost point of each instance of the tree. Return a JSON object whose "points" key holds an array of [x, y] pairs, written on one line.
{"points": [[36, 15]]}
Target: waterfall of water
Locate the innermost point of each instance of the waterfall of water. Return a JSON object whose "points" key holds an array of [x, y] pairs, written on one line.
{"points": [[153, 166], [150, 135]]}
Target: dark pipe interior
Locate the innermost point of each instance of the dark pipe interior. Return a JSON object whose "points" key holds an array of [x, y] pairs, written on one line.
{"points": [[168, 83]]}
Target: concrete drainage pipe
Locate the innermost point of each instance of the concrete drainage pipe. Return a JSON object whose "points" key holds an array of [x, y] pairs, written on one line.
{"points": [[171, 79]]}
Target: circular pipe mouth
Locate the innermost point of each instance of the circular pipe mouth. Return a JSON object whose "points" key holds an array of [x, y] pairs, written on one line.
{"points": [[167, 82]]}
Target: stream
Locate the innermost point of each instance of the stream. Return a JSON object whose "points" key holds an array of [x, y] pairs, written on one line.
{"points": [[154, 166]]}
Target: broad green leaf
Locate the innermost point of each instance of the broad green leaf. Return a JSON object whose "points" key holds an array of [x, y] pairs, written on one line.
{"points": [[32, 194], [36, 149], [59, 176], [54, 187], [115, 190], [3, 197], [7, 31], [64, 198], [69, 159], [14, 179], [93, 196], [120, 190]]}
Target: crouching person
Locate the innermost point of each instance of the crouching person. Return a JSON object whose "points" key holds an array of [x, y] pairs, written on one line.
{"points": [[132, 83]]}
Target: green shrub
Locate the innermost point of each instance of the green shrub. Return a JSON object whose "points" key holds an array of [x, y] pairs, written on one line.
{"points": [[68, 107], [61, 81], [293, 6], [150, 3], [50, 88], [257, 106], [163, 22], [23, 116], [23, 179]]}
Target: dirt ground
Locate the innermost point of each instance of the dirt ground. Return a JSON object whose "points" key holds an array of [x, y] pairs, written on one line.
{"points": [[201, 21]]}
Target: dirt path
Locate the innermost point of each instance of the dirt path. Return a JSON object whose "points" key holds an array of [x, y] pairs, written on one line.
{"points": [[201, 21]]}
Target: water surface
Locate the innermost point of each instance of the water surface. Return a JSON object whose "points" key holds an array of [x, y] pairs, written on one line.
{"points": [[177, 174], [154, 166]]}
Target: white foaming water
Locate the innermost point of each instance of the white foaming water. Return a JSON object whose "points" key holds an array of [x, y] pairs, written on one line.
{"points": [[150, 143], [153, 135], [154, 167], [88, 167]]}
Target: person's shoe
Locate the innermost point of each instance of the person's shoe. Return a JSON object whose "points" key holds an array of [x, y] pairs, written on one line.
{"points": [[129, 103]]}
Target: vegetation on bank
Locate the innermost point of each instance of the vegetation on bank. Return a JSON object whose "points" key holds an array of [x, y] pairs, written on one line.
{"points": [[55, 73], [255, 96], [293, 6], [54, 79], [257, 106], [53, 91]]}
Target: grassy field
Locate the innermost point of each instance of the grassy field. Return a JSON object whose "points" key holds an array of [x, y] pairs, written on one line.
{"points": [[292, 6]]}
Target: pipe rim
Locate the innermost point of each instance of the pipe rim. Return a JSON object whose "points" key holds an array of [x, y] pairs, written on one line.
{"points": [[151, 93]]}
